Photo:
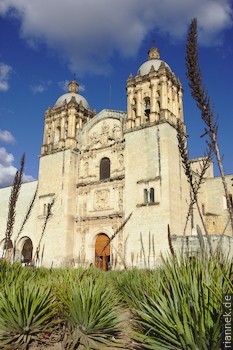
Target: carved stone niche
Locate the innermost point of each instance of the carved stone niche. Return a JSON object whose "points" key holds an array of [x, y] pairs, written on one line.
{"points": [[102, 199]]}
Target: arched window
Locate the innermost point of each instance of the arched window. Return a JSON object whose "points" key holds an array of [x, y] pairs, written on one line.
{"points": [[152, 195], [57, 135], [145, 196], [147, 107], [104, 168]]}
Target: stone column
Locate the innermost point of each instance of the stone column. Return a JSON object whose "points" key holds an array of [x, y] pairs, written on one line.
{"points": [[52, 132], [129, 104], [139, 107], [80, 121], [63, 126], [153, 101], [180, 105], [163, 105], [169, 96], [45, 140], [175, 108], [153, 97], [62, 132], [71, 123]]}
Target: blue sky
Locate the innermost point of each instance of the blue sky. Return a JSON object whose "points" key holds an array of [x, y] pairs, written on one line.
{"points": [[44, 43]]}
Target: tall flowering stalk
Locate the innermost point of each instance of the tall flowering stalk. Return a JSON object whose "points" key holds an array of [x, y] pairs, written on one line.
{"points": [[13, 201], [202, 98]]}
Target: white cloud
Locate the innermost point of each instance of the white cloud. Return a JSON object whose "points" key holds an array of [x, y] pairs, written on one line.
{"points": [[81, 88], [38, 89], [41, 87], [7, 175], [6, 136], [87, 33], [27, 178], [5, 71], [7, 169], [6, 159], [63, 85]]}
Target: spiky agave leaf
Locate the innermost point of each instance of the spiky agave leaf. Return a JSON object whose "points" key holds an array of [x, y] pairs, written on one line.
{"points": [[10, 273], [185, 313], [91, 313], [27, 311]]}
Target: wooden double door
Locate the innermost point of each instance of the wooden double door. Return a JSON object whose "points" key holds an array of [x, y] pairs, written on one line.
{"points": [[102, 252]]}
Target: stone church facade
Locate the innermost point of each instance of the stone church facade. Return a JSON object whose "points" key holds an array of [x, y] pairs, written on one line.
{"points": [[114, 174]]}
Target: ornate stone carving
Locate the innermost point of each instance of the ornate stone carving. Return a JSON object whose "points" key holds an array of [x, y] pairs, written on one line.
{"points": [[102, 199], [87, 155], [106, 136]]}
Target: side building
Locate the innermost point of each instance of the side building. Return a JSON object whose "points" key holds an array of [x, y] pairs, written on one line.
{"points": [[114, 174]]}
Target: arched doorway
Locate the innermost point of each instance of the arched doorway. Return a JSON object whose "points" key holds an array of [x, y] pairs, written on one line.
{"points": [[26, 250], [102, 254]]}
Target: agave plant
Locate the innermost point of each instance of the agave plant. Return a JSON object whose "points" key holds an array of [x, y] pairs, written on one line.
{"points": [[27, 312], [91, 314], [185, 313], [135, 285], [10, 273]]}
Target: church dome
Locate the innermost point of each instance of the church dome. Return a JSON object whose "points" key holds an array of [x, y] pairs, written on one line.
{"points": [[72, 92], [153, 60]]}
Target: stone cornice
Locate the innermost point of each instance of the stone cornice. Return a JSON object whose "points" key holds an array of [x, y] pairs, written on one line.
{"points": [[149, 180], [100, 217], [148, 125], [111, 179]]}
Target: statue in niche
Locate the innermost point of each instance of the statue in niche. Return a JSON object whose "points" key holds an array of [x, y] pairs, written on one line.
{"points": [[84, 208], [121, 162], [102, 199], [116, 132], [120, 248]]}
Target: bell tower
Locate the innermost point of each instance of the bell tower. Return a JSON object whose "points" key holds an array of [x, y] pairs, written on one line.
{"points": [[58, 171], [154, 176], [63, 122], [155, 94]]}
